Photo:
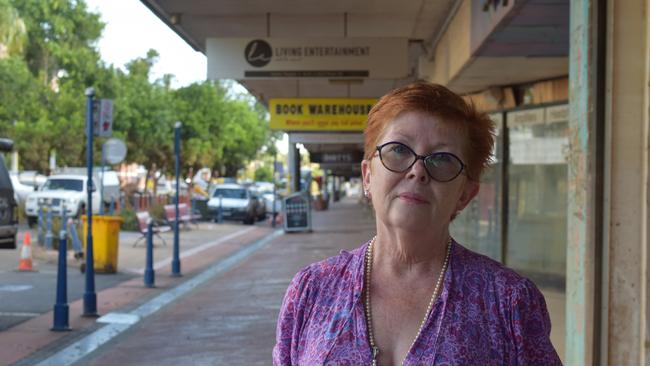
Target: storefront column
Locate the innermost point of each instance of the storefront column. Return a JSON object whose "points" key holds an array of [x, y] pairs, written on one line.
{"points": [[625, 284], [581, 215]]}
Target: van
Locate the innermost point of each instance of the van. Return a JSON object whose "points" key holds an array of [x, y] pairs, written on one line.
{"points": [[8, 210]]}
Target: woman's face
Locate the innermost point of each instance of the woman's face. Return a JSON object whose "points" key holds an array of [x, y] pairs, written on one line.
{"points": [[412, 200]]}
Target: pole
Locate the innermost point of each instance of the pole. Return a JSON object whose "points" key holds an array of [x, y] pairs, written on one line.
{"points": [[149, 273], [90, 297], [101, 184], [273, 213], [61, 309], [176, 262], [48, 226]]}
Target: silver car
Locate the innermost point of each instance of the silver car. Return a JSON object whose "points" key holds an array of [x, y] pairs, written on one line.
{"points": [[236, 202]]}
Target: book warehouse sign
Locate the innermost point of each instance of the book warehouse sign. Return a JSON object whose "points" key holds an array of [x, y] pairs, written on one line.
{"points": [[319, 114], [242, 58]]}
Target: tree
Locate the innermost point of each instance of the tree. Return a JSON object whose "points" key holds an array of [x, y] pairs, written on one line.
{"points": [[13, 33], [61, 39]]}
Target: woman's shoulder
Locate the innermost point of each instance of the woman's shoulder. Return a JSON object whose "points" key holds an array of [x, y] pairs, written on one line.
{"points": [[341, 270], [474, 266]]}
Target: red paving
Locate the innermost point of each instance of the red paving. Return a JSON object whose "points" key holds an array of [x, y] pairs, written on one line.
{"points": [[33, 335], [230, 320], [227, 320]]}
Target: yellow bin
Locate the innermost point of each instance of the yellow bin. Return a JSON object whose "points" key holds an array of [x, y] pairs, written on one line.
{"points": [[106, 237]]}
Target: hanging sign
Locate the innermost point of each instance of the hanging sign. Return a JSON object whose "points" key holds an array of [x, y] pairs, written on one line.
{"points": [[319, 114], [251, 58]]}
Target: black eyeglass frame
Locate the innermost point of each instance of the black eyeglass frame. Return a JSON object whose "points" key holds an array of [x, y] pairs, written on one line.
{"points": [[420, 157]]}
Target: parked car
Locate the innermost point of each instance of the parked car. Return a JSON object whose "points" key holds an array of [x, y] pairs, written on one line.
{"points": [[59, 190], [237, 203], [266, 191], [108, 181], [8, 211]]}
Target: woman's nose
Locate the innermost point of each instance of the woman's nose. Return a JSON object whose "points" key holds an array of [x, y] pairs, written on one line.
{"points": [[418, 171]]}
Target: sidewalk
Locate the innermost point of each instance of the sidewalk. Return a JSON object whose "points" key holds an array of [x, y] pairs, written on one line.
{"points": [[222, 312], [199, 247]]}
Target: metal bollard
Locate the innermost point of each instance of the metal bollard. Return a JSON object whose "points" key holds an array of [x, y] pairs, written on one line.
{"points": [[76, 243], [220, 211], [41, 225], [48, 227], [111, 207], [61, 309], [149, 273], [64, 217]]}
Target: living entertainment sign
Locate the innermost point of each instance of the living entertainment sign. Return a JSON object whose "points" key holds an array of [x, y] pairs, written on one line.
{"points": [[250, 58], [319, 114]]}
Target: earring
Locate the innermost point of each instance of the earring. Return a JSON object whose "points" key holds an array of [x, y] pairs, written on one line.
{"points": [[365, 192]]}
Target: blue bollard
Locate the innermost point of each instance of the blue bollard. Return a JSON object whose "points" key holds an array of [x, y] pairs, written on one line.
{"points": [[64, 217], [111, 207], [48, 227], [41, 225], [61, 309], [220, 211], [76, 242], [149, 273]]}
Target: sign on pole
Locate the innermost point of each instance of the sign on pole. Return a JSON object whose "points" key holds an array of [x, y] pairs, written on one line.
{"points": [[103, 118], [114, 151]]}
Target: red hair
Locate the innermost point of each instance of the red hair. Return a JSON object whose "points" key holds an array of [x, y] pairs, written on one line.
{"points": [[435, 100]]}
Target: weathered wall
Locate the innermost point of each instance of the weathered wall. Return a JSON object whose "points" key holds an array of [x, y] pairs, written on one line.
{"points": [[627, 183]]}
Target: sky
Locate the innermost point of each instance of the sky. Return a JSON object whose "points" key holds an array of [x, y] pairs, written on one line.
{"points": [[132, 29]]}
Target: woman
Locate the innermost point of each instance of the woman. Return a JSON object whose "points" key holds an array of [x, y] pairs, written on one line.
{"points": [[412, 295]]}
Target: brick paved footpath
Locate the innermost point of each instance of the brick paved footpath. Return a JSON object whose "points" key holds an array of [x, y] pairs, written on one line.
{"points": [[229, 319]]}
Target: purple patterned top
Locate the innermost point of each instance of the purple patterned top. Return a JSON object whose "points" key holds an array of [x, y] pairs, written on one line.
{"points": [[486, 315]]}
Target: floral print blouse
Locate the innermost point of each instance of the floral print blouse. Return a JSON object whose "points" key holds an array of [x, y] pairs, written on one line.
{"points": [[486, 314]]}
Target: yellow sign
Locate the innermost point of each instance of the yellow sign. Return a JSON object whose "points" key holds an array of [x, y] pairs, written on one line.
{"points": [[319, 114]]}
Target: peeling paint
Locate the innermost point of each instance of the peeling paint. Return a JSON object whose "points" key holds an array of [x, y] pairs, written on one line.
{"points": [[579, 307]]}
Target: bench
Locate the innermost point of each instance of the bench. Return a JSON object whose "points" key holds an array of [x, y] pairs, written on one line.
{"points": [[184, 215], [143, 225]]}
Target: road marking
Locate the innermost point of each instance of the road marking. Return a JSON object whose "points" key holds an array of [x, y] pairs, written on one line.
{"points": [[91, 342], [18, 314], [200, 248], [118, 318], [15, 288]]}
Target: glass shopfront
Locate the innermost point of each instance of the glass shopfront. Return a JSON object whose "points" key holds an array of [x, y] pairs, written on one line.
{"points": [[531, 153], [478, 227]]}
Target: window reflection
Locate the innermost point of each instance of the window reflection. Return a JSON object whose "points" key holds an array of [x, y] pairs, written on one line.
{"points": [[537, 197], [478, 227]]}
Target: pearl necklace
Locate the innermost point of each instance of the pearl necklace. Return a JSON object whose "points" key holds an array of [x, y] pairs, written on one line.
{"points": [[371, 337]]}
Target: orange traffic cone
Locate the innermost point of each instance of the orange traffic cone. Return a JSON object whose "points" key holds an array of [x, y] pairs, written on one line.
{"points": [[26, 255]]}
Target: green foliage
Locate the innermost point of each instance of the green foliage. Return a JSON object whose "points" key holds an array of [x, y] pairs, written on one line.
{"points": [[264, 174], [130, 221], [42, 102], [13, 33]]}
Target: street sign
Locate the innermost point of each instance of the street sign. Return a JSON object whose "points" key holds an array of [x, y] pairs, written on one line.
{"points": [[103, 118], [297, 212], [114, 151]]}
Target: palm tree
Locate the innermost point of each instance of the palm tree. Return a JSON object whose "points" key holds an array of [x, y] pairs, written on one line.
{"points": [[13, 33]]}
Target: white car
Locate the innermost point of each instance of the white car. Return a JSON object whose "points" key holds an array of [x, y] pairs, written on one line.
{"points": [[62, 190], [236, 202]]}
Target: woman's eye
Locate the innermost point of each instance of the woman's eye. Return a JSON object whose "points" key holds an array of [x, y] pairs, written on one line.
{"points": [[399, 149]]}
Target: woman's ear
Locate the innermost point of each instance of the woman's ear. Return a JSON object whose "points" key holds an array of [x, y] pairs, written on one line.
{"points": [[470, 190], [365, 173]]}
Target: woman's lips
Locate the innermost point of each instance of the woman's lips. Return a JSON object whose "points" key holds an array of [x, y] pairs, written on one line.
{"points": [[412, 198]]}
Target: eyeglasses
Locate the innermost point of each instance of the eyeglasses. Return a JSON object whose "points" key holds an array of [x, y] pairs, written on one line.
{"points": [[441, 166]]}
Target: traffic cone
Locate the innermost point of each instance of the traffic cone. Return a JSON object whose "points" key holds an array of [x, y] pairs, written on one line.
{"points": [[26, 255]]}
